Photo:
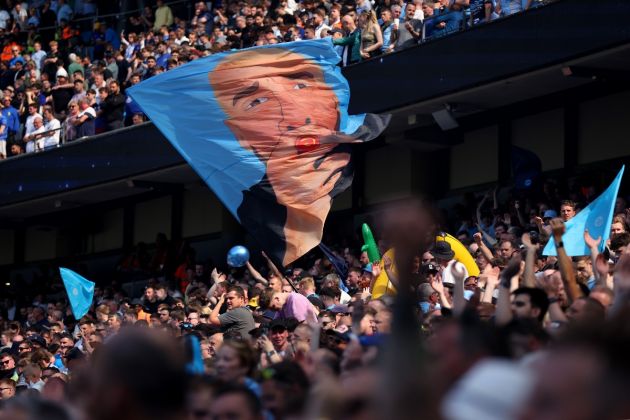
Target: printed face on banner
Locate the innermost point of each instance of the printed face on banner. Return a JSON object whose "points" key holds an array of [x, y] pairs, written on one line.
{"points": [[280, 107]]}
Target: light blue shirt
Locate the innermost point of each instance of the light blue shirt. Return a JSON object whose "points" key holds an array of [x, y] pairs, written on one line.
{"points": [[65, 12], [387, 36], [39, 57]]}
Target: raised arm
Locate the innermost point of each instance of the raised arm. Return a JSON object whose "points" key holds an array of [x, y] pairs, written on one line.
{"points": [[388, 265], [272, 266], [438, 286], [214, 315], [504, 305], [564, 262], [603, 271], [544, 234], [480, 206], [529, 280], [485, 251], [552, 285], [593, 246], [486, 236], [255, 274], [459, 301], [491, 283], [123, 39]]}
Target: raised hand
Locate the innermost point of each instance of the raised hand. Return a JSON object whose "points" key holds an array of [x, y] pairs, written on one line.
{"points": [[590, 242], [387, 263], [557, 228], [511, 270], [527, 241], [458, 272], [602, 267], [365, 294], [437, 285], [376, 269], [552, 285]]}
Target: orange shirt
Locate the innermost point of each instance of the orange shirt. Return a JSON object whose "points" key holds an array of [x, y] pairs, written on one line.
{"points": [[6, 51]]}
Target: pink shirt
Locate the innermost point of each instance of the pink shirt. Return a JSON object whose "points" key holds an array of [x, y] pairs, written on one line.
{"points": [[300, 308]]}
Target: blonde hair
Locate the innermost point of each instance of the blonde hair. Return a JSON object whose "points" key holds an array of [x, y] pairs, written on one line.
{"points": [[370, 18], [307, 282]]}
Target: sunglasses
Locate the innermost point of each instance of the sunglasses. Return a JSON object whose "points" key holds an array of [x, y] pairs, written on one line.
{"points": [[5, 362]]}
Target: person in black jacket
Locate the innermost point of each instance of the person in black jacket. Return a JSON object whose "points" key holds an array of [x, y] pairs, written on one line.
{"points": [[113, 108]]}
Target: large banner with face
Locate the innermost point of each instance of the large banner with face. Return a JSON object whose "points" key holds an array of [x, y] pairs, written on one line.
{"points": [[268, 130]]}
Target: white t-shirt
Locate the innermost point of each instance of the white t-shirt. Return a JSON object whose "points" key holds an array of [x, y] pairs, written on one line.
{"points": [[30, 127], [35, 145], [53, 139], [447, 277], [179, 41], [89, 110], [320, 28]]}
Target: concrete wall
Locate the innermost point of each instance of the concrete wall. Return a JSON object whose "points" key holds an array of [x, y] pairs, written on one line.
{"points": [[152, 217], [475, 160], [202, 212], [542, 134], [604, 128]]}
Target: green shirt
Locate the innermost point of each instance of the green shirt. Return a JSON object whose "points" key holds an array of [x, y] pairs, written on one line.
{"points": [[352, 41], [74, 66]]}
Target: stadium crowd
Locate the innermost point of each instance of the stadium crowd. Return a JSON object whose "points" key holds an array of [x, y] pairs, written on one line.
{"points": [[530, 337], [64, 72]]}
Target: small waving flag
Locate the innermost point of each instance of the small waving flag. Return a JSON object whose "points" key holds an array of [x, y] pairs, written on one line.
{"points": [[596, 217], [80, 291]]}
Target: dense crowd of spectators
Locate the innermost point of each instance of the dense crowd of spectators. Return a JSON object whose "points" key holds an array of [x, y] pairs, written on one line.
{"points": [[530, 337], [64, 72]]}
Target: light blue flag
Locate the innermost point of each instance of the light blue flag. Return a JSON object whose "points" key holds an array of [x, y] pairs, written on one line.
{"points": [[80, 291], [268, 130], [596, 217], [195, 364]]}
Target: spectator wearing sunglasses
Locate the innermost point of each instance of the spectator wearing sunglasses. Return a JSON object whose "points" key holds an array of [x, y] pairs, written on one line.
{"points": [[7, 367]]}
